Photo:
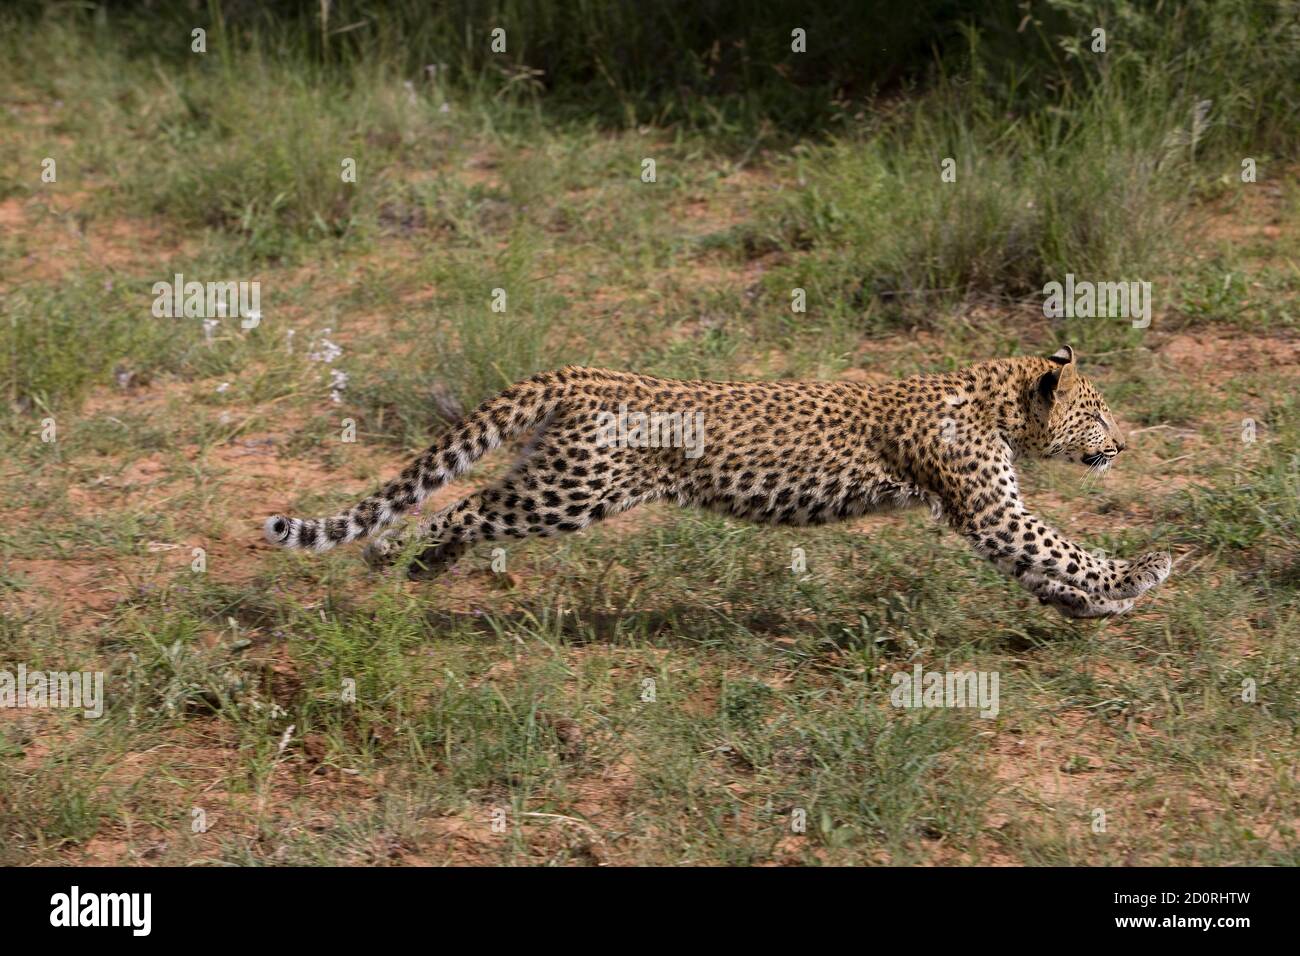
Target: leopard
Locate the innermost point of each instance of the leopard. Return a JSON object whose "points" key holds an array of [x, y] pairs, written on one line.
{"points": [[798, 453]]}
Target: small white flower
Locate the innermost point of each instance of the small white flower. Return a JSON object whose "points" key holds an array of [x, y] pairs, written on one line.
{"points": [[338, 382], [325, 351]]}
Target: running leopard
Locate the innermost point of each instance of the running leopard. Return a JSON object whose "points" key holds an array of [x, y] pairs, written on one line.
{"points": [[792, 453]]}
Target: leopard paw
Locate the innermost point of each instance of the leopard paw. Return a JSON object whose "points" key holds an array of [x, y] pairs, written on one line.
{"points": [[1093, 607], [1142, 574], [435, 560], [382, 551], [1075, 602]]}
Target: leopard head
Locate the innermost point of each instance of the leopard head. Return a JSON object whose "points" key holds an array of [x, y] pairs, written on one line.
{"points": [[1073, 420]]}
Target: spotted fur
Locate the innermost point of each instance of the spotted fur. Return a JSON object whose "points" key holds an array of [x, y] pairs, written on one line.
{"points": [[793, 453]]}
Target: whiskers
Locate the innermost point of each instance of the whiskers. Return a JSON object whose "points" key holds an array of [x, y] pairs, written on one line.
{"points": [[1096, 472]]}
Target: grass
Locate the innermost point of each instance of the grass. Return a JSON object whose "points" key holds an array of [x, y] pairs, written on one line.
{"points": [[663, 688]]}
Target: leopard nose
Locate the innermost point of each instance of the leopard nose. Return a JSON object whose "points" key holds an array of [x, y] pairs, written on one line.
{"points": [[1119, 445]]}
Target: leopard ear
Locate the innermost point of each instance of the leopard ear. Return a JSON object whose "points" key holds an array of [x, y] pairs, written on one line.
{"points": [[1068, 379], [1047, 386], [1062, 356], [1057, 382]]}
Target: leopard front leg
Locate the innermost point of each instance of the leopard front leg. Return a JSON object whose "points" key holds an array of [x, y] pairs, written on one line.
{"points": [[1000, 528], [1026, 548]]}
